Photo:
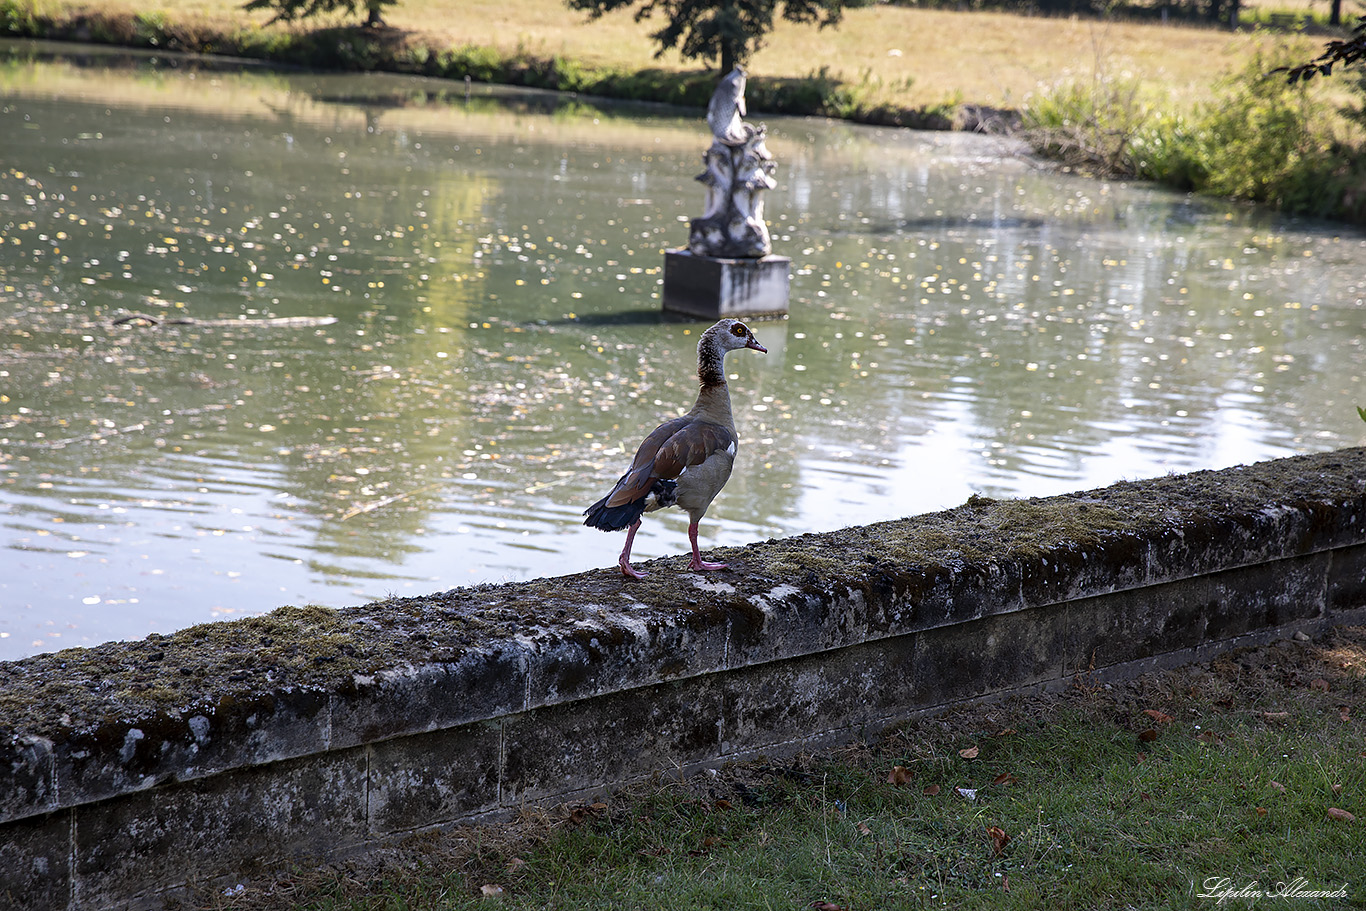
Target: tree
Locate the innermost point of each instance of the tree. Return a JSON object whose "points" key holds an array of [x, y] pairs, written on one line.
{"points": [[290, 10], [728, 30], [1345, 52]]}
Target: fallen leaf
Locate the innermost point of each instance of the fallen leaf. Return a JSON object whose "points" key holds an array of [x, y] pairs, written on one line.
{"points": [[723, 804], [710, 842], [1345, 713], [1148, 736], [1145, 796], [1006, 731], [1260, 811], [825, 906], [1005, 778], [899, 775], [1277, 785], [1319, 684], [491, 890], [863, 829], [653, 852], [969, 753], [1342, 815], [966, 793], [515, 864], [1275, 716], [1159, 717], [1337, 789], [1005, 882], [1209, 738], [577, 815], [999, 839], [932, 790]]}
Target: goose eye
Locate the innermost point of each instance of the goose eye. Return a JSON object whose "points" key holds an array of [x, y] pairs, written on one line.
{"points": [[739, 330]]}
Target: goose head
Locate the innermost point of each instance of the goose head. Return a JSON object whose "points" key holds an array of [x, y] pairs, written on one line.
{"points": [[730, 335]]}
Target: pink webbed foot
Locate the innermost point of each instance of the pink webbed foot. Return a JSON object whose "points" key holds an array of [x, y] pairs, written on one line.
{"points": [[697, 564], [624, 561]]}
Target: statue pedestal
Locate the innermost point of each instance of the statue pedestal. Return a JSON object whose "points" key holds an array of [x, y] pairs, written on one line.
{"points": [[712, 288]]}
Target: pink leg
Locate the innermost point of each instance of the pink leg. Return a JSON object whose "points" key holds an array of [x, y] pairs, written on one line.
{"points": [[698, 564], [624, 561]]}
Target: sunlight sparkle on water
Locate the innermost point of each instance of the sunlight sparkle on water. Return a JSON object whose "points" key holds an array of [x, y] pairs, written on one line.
{"points": [[270, 348]]}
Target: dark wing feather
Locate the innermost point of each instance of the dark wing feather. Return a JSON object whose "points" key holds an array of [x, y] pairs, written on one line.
{"points": [[640, 477], [669, 450]]}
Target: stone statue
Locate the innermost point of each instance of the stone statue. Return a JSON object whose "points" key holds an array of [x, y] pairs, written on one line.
{"points": [[738, 169]]}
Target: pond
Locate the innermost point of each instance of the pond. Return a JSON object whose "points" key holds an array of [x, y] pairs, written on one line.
{"points": [[472, 345]]}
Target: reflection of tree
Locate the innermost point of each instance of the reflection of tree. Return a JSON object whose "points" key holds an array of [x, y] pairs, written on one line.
{"points": [[376, 436], [376, 237]]}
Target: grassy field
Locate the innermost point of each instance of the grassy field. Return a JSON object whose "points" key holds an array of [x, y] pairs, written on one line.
{"points": [[1249, 771], [901, 55]]}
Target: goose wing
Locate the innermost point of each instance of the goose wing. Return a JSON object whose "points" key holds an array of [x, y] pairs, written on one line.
{"points": [[671, 449]]}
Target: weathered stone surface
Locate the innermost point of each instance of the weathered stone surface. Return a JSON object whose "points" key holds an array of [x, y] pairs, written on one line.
{"points": [[435, 778], [1347, 579], [711, 288], [126, 768], [583, 745], [35, 862], [28, 776], [133, 846], [482, 683]]}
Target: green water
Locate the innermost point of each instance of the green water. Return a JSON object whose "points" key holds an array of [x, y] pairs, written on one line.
{"points": [[963, 320]]}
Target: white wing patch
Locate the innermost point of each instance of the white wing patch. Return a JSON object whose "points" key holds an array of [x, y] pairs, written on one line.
{"points": [[731, 448]]}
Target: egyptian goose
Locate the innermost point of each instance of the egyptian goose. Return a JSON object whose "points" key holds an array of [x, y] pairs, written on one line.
{"points": [[686, 461]]}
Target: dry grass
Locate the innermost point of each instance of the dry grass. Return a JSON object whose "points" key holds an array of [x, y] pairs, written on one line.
{"points": [[983, 58]]}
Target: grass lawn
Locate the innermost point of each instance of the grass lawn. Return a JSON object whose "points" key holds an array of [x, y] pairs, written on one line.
{"points": [[1240, 774], [900, 55]]}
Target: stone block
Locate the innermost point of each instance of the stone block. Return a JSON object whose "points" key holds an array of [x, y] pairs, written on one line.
{"points": [[129, 848], [771, 707], [712, 288], [990, 655], [35, 863], [434, 779], [30, 785], [484, 683], [1347, 580], [1148, 622], [554, 751]]}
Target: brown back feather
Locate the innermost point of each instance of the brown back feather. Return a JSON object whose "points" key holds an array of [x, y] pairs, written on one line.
{"points": [[670, 449]]}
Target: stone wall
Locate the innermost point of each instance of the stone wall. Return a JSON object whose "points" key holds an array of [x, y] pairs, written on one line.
{"points": [[228, 748]]}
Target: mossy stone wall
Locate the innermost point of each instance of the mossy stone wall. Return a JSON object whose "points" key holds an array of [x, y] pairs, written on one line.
{"points": [[128, 769]]}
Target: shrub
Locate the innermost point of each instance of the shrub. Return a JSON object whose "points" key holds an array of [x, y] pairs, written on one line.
{"points": [[19, 19], [1262, 139], [1089, 125]]}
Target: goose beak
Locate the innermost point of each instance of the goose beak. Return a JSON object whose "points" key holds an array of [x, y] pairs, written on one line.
{"points": [[753, 342]]}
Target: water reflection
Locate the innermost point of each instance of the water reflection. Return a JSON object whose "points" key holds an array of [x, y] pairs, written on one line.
{"points": [[963, 322]]}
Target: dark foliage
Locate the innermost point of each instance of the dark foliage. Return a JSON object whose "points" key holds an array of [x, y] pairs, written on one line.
{"points": [[725, 30], [290, 10], [1220, 11], [1338, 51]]}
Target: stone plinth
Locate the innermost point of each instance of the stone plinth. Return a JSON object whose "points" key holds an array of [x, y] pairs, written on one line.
{"points": [[711, 288]]}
